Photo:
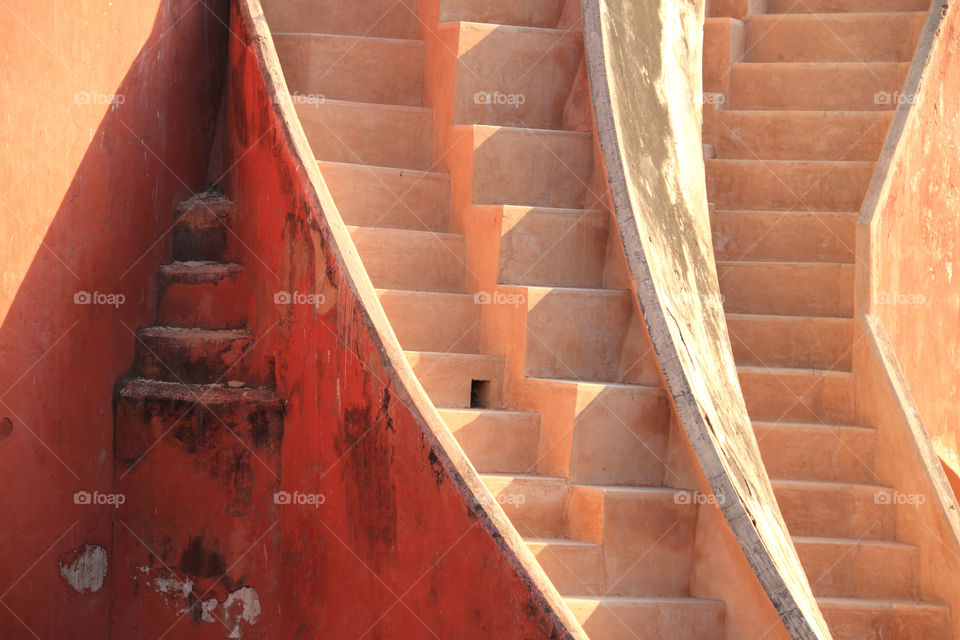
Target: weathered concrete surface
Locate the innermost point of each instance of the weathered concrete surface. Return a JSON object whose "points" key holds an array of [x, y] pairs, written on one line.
{"points": [[407, 542], [645, 98], [108, 119]]}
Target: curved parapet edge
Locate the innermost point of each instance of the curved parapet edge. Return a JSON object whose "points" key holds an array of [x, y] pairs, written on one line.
{"points": [[644, 61], [401, 379]]}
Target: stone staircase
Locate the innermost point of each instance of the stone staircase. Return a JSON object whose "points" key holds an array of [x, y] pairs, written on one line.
{"points": [[809, 97], [469, 192]]}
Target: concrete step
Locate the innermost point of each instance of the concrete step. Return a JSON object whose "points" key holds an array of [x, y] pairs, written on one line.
{"points": [[412, 260], [202, 295], [536, 505], [787, 288], [796, 451], [496, 441], [834, 37], [460, 380], [837, 510], [845, 568], [532, 13], [802, 135], [857, 619], [779, 236], [574, 567], [553, 247], [369, 134], [198, 356], [845, 6], [354, 68], [798, 395], [610, 618], [819, 86], [647, 535], [800, 342], [765, 185], [428, 321], [370, 196], [514, 76], [546, 168], [201, 230], [371, 18], [580, 334]]}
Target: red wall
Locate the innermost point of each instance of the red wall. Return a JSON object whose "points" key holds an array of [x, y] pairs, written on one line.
{"points": [[917, 290], [86, 195], [396, 550]]}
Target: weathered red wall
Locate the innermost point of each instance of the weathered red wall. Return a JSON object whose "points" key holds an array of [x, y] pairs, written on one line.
{"points": [[86, 195], [917, 279], [396, 550]]}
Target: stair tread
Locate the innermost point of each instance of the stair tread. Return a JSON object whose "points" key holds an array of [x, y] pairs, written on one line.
{"points": [[646, 599], [198, 271], [193, 332], [827, 484], [210, 394], [413, 233], [567, 542], [512, 27], [852, 542], [499, 412], [795, 371], [600, 383], [810, 425], [312, 34], [373, 106], [386, 169], [877, 602], [559, 132]]}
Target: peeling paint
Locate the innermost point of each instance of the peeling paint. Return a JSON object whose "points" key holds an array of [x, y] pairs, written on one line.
{"points": [[249, 602], [87, 570]]}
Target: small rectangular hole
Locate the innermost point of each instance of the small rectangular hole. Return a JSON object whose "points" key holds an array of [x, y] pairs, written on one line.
{"points": [[479, 393]]}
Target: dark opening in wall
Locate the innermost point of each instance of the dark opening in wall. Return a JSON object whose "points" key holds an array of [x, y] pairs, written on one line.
{"points": [[479, 394]]}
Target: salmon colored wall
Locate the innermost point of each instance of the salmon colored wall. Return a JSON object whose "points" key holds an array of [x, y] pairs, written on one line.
{"points": [[107, 119], [396, 550], [916, 291]]}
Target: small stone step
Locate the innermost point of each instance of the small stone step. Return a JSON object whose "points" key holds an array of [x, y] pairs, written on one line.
{"points": [[574, 567], [199, 356], [828, 453], [787, 288], [536, 505], [369, 134], [799, 342], [387, 197], [428, 321], [856, 619], [352, 68], [610, 618], [817, 86], [202, 295], [531, 13], [834, 37], [798, 395], [201, 230], [845, 6], [779, 236], [412, 260], [845, 568], [496, 441], [837, 510], [460, 380], [371, 18]]}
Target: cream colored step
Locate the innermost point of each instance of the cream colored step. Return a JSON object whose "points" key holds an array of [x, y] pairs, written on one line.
{"points": [[428, 321], [845, 568], [784, 236], [553, 247], [798, 395], [802, 135], [358, 69], [369, 134], [574, 567], [797, 451], [845, 6], [459, 380], [647, 535], [781, 185], [801, 342], [370, 196], [372, 18], [609, 618], [531, 13], [837, 37], [412, 260], [546, 168], [496, 441], [536, 505], [514, 76], [787, 288], [855, 619], [816, 86], [837, 510]]}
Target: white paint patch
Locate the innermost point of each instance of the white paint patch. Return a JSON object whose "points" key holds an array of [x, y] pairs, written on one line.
{"points": [[248, 601], [88, 569]]}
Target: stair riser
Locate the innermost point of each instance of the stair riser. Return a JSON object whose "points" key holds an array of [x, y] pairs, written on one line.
{"points": [[843, 511], [887, 622], [651, 621], [794, 452], [536, 508], [447, 379], [777, 237], [535, 13], [862, 570], [220, 305], [787, 289], [801, 397], [845, 6], [199, 361], [573, 569], [428, 322], [497, 443], [412, 262], [372, 18], [803, 343]]}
